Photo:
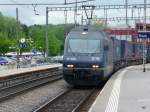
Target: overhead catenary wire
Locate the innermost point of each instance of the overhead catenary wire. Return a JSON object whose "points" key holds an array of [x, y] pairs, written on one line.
{"points": [[35, 4], [67, 3], [33, 7]]}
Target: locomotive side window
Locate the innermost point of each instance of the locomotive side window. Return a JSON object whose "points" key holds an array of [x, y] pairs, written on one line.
{"points": [[106, 47]]}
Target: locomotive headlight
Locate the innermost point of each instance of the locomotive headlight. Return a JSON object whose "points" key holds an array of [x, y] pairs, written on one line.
{"points": [[95, 66], [70, 66], [84, 33]]}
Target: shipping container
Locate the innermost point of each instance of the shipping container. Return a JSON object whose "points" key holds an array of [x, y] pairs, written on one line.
{"points": [[116, 49], [137, 51], [126, 52], [148, 53]]}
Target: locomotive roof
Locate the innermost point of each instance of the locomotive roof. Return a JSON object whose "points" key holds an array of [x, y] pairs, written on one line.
{"points": [[90, 31], [85, 28]]}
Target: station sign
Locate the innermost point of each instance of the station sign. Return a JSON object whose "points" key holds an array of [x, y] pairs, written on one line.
{"points": [[22, 45], [144, 34]]}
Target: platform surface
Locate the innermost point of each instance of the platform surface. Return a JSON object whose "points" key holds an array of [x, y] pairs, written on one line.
{"points": [[5, 73], [128, 90]]}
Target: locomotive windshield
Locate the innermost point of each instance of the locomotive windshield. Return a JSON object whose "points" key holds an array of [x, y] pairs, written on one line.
{"points": [[84, 46]]}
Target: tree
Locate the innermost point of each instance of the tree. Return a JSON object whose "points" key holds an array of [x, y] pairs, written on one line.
{"points": [[4, 44], [54, 45], [36, 33], [25, 29]]}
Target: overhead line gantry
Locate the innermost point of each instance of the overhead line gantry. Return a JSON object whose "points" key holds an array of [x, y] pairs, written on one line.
{"points": [[120, 18], [60, 4], [100, 7]]}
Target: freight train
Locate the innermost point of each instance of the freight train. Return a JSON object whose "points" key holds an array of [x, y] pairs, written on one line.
{"points": [[91, 56]]}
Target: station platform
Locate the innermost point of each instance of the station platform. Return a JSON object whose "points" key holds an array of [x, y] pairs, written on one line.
{"points": [[128, 90], [19, 71]]}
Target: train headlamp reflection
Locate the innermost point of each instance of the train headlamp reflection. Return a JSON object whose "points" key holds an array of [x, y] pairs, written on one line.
{"points": [[95, 66], [70, 66]]}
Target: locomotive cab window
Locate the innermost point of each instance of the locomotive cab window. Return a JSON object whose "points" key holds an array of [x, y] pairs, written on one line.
{"points": [[84, 46]]}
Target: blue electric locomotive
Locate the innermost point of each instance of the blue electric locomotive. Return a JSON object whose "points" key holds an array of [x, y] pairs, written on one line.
{"points": [[88, 56]]}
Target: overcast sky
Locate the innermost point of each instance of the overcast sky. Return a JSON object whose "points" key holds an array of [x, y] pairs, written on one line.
{"points": [[27, 15]]}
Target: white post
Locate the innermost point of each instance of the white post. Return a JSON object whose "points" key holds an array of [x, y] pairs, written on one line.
{"points": [[46, 35], [17, 38], [144, 41]]}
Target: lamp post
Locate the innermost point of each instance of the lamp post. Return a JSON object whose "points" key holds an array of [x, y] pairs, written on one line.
{"points": [[127, 24], [144, 40], [17, 38], [46, 35]]}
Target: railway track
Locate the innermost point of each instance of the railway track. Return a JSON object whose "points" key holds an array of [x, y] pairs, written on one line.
{"points": [[68, 101], [19, 88]]}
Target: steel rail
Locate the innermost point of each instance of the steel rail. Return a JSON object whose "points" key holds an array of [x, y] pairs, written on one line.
{"points": [[52, 100], [73, 105], [18, 79], [31, 80], [26, 86], [77, 108]]}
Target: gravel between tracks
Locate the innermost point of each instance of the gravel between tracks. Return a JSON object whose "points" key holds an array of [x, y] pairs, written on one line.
{"points": [[29, 101]]}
